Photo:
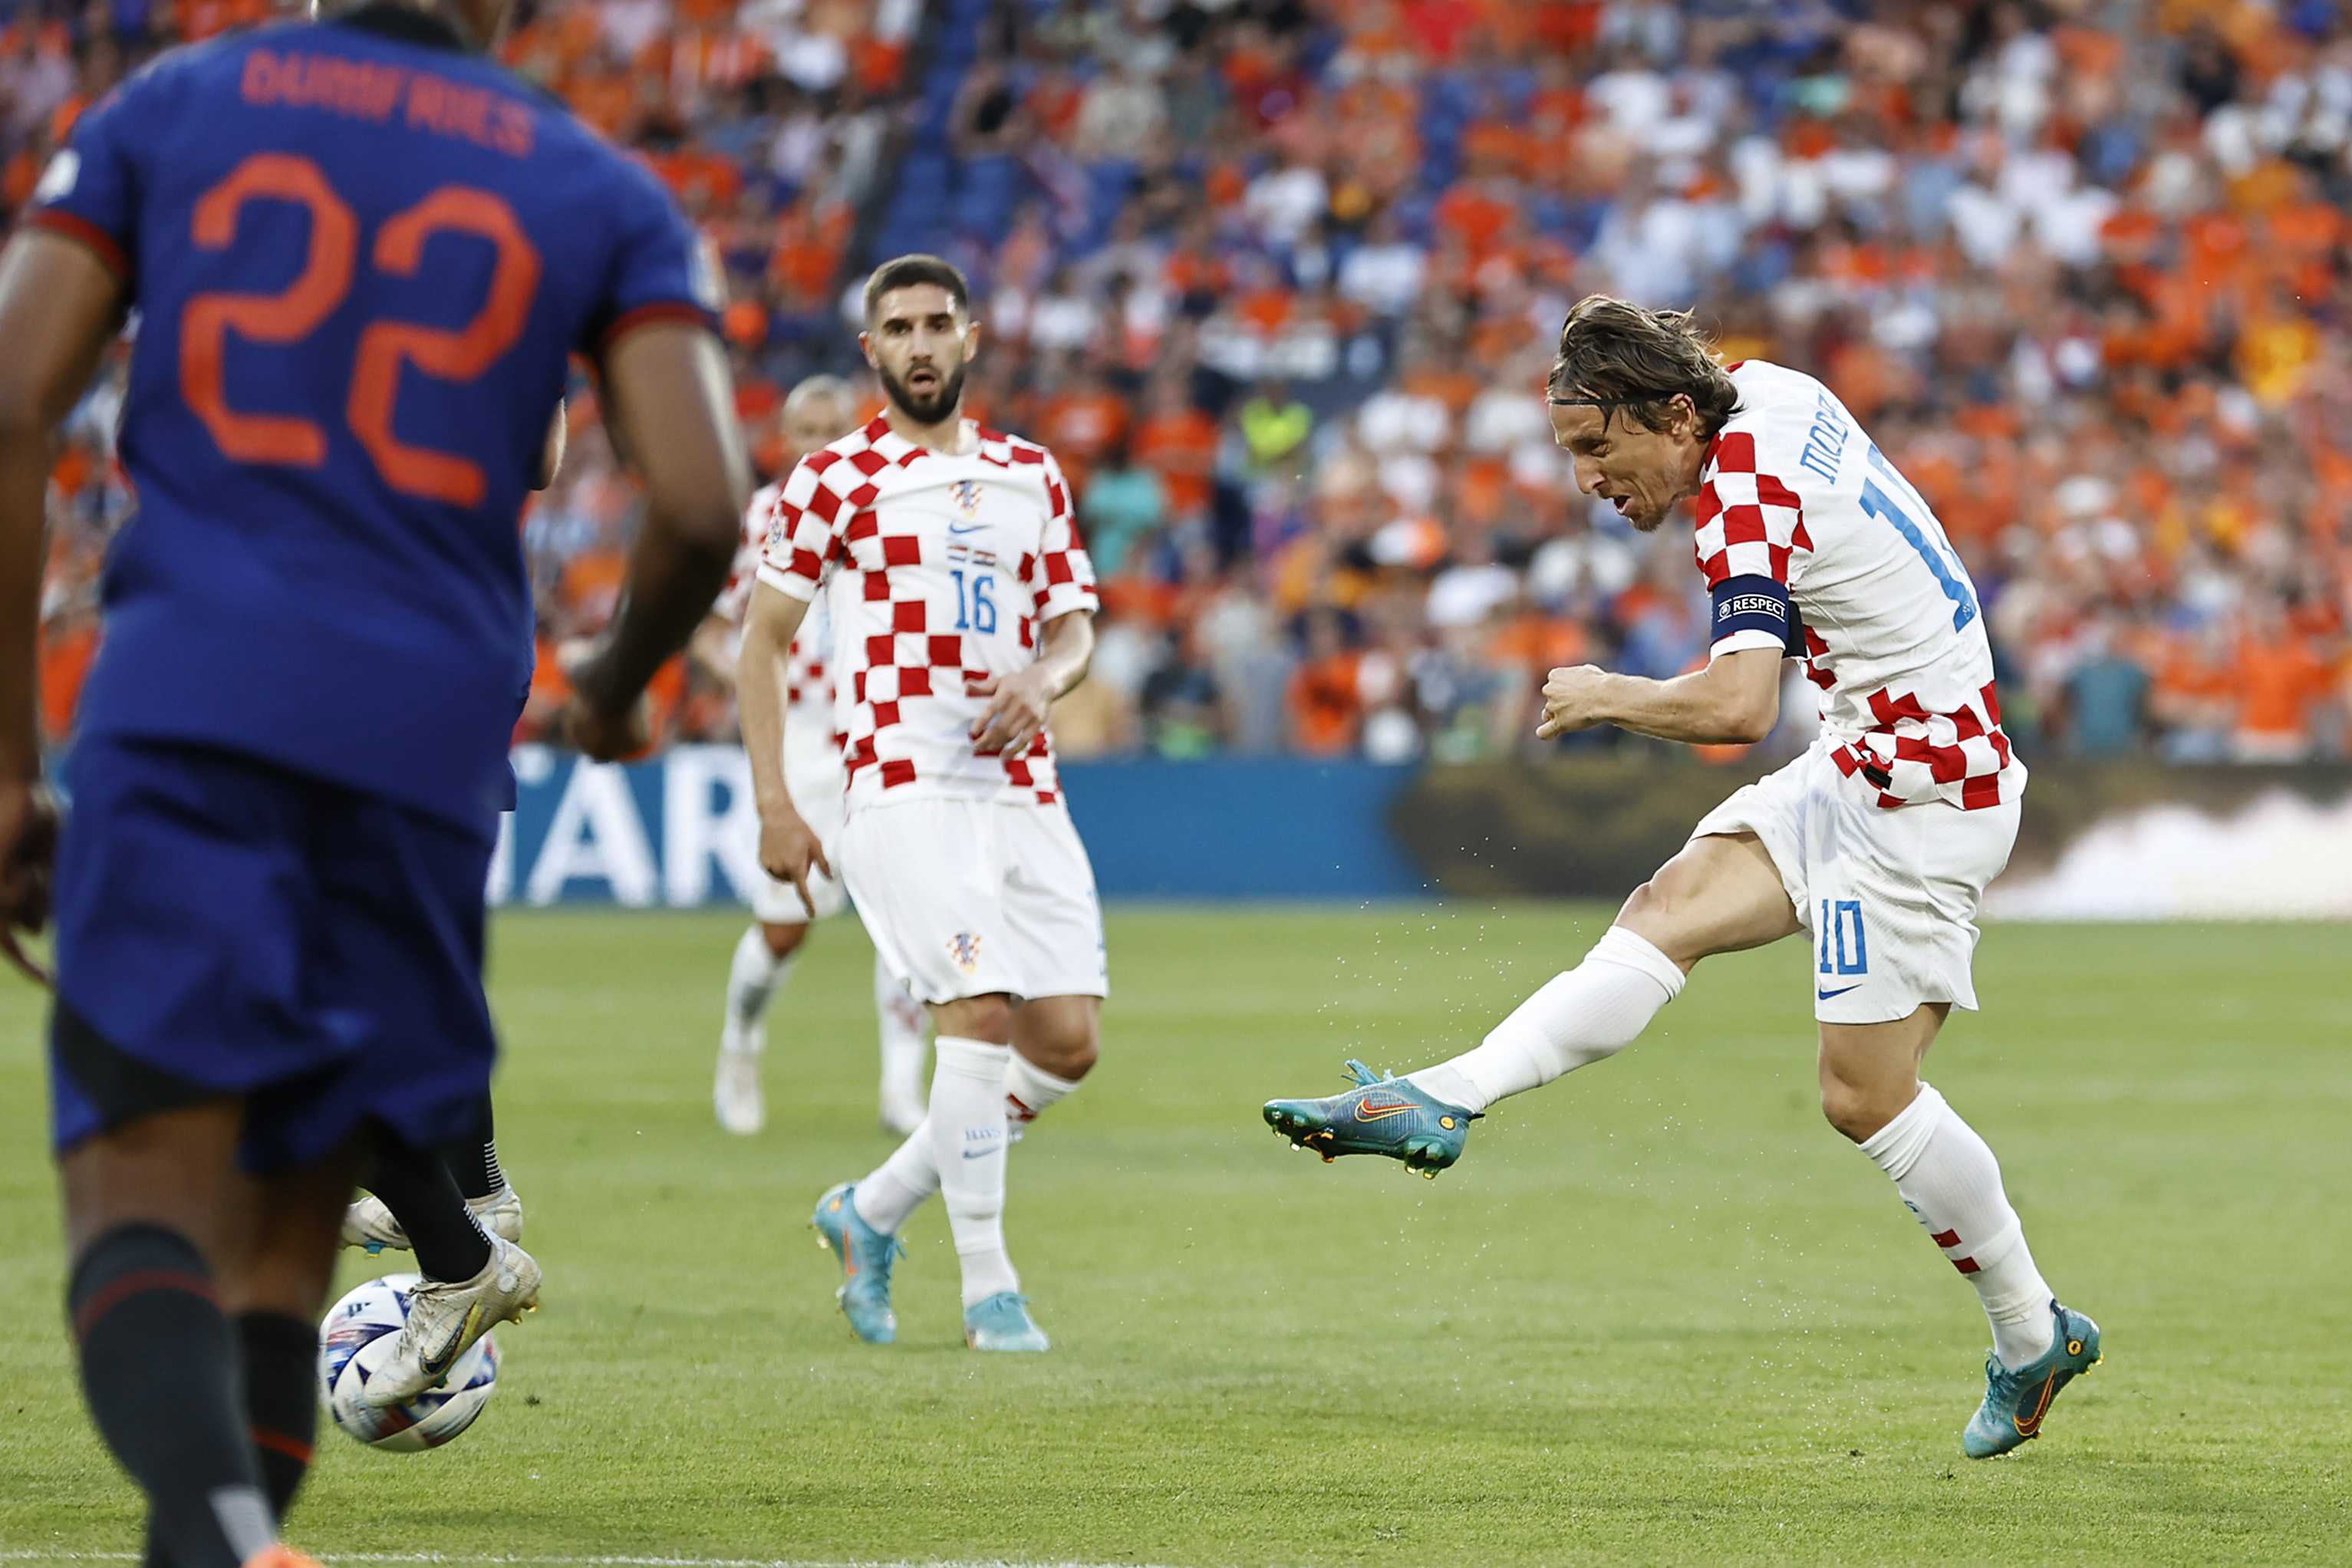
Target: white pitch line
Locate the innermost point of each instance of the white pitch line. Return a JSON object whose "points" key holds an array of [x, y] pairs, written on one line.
{"points": [[508, 1560]]}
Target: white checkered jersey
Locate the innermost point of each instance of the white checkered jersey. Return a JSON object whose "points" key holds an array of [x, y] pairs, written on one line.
{"points": [[1812, 543], [808, 680], [939, 570]]}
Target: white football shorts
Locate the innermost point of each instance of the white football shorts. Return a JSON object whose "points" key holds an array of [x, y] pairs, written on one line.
{"points": [[819, 786], [1889, 897], [965, 898]]}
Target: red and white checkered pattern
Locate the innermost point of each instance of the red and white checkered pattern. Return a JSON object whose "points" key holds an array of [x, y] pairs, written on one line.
{"points": [[808, 681], [938, 569], [1750, 523], [1907, 696]]}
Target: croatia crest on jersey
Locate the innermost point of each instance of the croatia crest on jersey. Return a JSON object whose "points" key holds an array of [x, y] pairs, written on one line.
{"points": [[964, 948], [967, 497]]}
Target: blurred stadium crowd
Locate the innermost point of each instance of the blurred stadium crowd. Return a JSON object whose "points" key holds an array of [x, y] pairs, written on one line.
{"points": [[1279, 280]]}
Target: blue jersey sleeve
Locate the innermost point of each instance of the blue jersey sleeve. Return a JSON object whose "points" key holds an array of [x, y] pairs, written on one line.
{"points": [[660, 269], [89, 191]]}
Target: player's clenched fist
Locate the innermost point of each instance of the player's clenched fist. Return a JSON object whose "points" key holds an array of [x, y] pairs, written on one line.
{"points": [[1571, 700], [788, 851], [609, 737]]}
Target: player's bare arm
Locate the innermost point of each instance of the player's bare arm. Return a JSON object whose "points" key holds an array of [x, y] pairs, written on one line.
{"points": [[671, 406], [551, 455], [60, 305], [1734, 701], [788, 845], [1019, 704]]}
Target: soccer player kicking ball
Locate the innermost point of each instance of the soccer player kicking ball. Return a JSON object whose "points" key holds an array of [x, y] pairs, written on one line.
{"points": [[962, 606], [361, 254], [819, 410], [1877, 843]]}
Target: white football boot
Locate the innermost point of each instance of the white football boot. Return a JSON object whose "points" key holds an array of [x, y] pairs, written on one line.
{"points": [[445, 1320], [367, 1224], [735, 1093]]}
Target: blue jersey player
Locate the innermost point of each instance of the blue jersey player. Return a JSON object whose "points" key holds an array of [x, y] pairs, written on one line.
{"points": [[360, 256]]}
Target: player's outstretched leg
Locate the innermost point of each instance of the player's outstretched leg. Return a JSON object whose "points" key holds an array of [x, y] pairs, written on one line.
{"points": [[1380, 1115], [904, 1046], [473, 1281], [1578, 1017], [763, 962]]}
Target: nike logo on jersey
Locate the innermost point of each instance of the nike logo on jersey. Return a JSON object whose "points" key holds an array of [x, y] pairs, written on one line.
{"points": [[966, 527], [1825, 996]]}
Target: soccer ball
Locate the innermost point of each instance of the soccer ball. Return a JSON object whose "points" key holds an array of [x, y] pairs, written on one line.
{"points": [[358, 1336]]}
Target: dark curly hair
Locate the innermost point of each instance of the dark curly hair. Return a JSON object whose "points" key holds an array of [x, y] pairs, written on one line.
{"points": [[1614, 355], [906, 271]]}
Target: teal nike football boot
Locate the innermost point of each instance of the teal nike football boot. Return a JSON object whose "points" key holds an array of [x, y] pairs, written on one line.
{"points": [[866, 1257], [2015, 1402], [1383, 1115], [1003, 1323]]}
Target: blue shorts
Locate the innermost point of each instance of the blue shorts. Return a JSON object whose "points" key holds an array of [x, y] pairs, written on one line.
{"points": [[226, 926]]}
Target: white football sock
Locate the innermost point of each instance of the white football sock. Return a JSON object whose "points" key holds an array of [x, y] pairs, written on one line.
{"points": [[968, 1144], [1592, 1011], [903, 1042], [1949, 1178], [1029, 1089], [752, 977], [896, 1188]]}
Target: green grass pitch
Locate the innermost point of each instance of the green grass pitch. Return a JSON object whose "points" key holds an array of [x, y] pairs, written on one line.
{"points": [[1661, 1313]]}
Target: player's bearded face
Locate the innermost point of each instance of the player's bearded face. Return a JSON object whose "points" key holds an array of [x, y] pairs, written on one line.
{"points": [[931, 398], [1644, 473], [919, 342]]}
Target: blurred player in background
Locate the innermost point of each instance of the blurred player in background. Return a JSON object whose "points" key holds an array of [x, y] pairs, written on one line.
{"points": [[961, 604], [819, 410], [1878, 841], [361, 255]]}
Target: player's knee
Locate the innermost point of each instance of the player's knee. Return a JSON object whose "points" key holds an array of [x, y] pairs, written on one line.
{"points": [[1658, 908], [784, 941], [988, 1018], [1859, 1110], [1067, 1052]]}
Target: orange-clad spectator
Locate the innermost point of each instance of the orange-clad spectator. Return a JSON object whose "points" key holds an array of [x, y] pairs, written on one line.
{"points": [[2282, 682], [1476, 215], [1327, 691], [202, 19], [1537, 642], [1179, 442], [1081, 423], [69, 643], [17, 179], [551, 689], [592, 582]]}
